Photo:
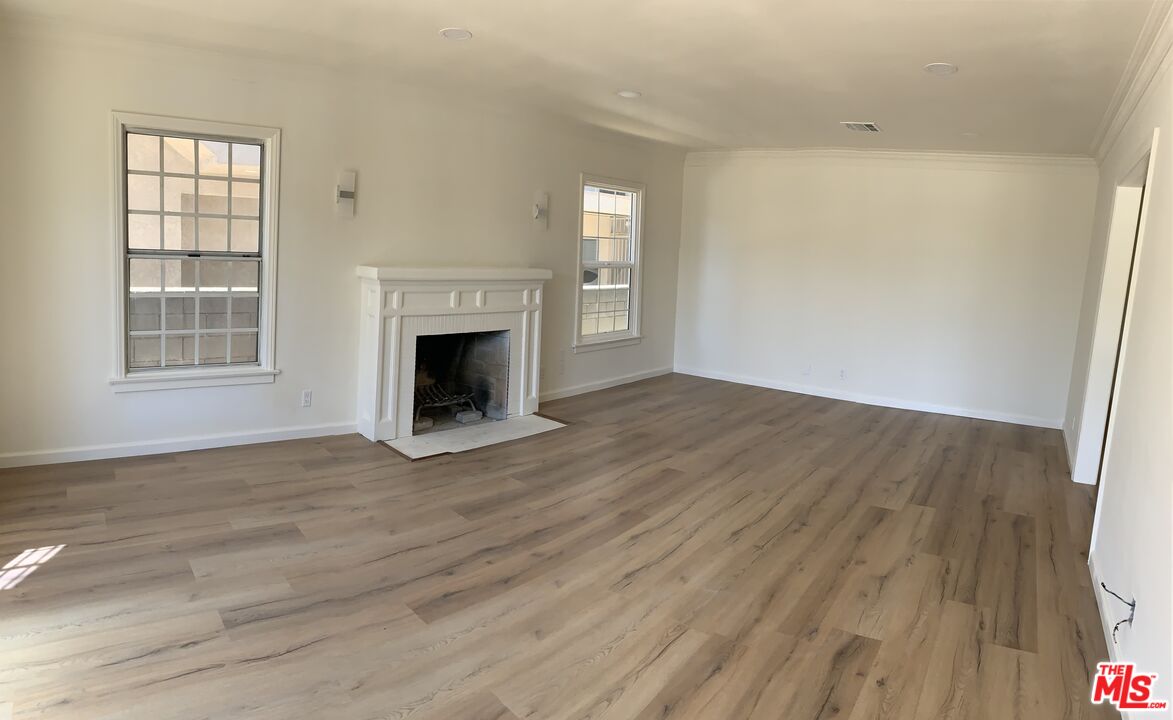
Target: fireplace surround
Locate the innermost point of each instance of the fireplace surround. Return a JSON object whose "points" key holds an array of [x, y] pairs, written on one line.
{"points": [[401, 305]]}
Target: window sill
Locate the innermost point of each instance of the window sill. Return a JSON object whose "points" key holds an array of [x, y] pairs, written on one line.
{"points": [[176, 379], [591, 346]]}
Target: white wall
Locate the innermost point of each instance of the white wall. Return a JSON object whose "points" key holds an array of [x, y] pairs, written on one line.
{"points": [[1132, 543], [938, 282], [440, 182]]}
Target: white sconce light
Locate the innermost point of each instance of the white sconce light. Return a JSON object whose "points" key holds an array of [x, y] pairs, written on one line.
{"points": [[344, 194], [541, 209]]}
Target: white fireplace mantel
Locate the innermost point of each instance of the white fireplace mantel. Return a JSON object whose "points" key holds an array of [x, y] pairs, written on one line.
{"points": [[452, 274], [399, 304]]}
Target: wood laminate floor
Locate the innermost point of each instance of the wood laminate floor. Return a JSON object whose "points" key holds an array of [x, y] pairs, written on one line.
{"points": [[685, 549]]}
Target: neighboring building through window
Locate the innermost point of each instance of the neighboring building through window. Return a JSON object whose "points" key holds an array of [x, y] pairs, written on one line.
{"points": [[609, 267], [196, 241]]}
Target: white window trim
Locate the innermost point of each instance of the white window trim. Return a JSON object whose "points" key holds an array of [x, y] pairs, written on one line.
{"points": [[265, 370], [632, 335]]}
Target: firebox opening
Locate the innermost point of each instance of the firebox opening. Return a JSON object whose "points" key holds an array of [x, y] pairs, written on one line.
{"points": [[460, 379]]}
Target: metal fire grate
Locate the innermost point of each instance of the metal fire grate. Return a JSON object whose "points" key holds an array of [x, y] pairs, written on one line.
{"points": [[434, 396]]}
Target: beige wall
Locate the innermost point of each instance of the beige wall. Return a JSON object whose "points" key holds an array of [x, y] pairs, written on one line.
{"points": [[440, 182], [934, 282]]}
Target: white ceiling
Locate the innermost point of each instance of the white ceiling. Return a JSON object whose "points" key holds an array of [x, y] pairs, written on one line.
{"points": [[1036, 75]]}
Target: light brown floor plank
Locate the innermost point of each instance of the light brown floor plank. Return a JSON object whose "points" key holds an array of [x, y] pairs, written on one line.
{"points": [[684, 549]]}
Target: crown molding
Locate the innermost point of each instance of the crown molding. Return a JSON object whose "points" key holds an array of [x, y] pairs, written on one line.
{"points": [[1150, 56], [990, 161]]}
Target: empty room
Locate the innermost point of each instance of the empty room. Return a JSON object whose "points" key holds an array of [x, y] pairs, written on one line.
{"points": [[692, 360]]}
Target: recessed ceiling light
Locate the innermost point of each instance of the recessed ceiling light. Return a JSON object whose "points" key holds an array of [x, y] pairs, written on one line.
{"points": [[940, 68], [455, 33], [629, 94]]}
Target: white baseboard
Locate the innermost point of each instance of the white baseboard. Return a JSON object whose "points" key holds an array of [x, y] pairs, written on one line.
{"points": [[154, 447], [602, 384], [1070, 451], [201, 442], [899, 403], [1102, 605]]}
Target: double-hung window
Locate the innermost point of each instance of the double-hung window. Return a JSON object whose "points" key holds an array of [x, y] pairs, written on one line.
{"points": [[609, 263], [196, 208]]}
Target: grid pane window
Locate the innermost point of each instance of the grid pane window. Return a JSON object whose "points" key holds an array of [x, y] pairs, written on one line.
{"points": [[609, 261], [193, 250]]}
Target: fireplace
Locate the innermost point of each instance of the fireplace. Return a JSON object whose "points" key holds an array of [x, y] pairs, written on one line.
{"points": [[460, 379], [487, 321]]}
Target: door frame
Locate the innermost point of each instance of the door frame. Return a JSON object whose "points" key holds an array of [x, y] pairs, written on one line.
{"points": [[1111, 333]]}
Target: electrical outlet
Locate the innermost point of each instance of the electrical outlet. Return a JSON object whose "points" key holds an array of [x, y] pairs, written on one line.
{"points": [[807, 371], [307, 398], [842, 374]]}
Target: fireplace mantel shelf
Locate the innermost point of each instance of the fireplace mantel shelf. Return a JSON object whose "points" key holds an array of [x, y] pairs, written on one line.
{"points": [[454, 274]]}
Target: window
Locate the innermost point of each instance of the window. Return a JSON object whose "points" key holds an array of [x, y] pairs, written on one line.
{"points": [[197, 204], [609, 264]]}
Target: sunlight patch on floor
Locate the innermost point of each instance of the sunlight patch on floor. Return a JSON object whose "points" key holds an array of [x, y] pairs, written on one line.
{"points": [[24, 564]]}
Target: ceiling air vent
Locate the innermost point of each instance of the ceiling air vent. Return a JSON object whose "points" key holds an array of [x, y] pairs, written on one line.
{"points": [[861, 126]]}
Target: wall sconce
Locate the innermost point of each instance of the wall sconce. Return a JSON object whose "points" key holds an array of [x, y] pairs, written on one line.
{"points": [[541, 209], [344, 194]]}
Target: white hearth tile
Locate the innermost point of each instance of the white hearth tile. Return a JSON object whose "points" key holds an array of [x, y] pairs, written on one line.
{"points": [[470, 438]]}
